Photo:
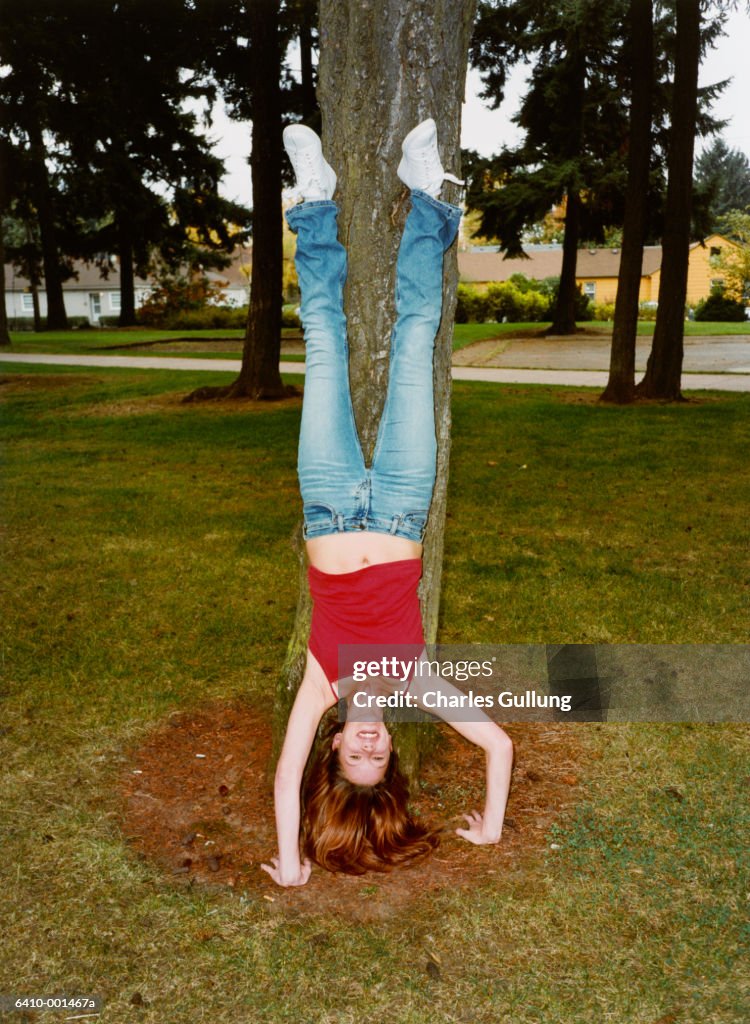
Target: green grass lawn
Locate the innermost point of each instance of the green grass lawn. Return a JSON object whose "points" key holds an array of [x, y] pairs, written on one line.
{"points": [[114, 341], [148, 568], [122, 341]]}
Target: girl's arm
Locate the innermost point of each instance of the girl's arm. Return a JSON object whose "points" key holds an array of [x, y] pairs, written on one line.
{"points": [[498, 747], [313, 699]]}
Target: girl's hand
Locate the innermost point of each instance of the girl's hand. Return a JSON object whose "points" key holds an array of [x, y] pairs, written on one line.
{"points": [[475, 833], [285, 880]]}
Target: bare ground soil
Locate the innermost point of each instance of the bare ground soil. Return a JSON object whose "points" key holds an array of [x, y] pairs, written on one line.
{"points": [[196, 798]]}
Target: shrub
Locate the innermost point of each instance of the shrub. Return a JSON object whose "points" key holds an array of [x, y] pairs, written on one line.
{"points": [[504, 301], [468, 305], [647, 310], [720, 308], [210, 317], [290, 317], [177, 295], [26, 323], [551, 286], [603, 311]]}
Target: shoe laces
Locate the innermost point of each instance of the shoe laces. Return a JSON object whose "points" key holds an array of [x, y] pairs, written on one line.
{"points": [[311, 173], [428, 157]]}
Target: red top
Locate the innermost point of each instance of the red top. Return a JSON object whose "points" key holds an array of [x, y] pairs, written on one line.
{"points": [[374, 605]]}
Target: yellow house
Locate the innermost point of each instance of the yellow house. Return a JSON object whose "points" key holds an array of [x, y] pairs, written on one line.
{"points": [[596, 269]]}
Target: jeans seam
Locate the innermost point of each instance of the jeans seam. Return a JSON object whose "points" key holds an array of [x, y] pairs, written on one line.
{"points": [[440, 204]]}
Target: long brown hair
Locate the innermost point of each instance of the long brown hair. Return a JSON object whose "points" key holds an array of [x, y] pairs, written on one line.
{"points": [[354, 828]]}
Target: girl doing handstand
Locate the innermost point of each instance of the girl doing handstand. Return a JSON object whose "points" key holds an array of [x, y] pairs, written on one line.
{"points": [[363, 528]]}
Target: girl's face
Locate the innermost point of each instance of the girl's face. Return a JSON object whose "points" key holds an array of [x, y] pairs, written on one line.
{"points": [[364, 750]]}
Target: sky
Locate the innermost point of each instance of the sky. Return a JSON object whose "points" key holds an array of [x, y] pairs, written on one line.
{"points": [[486, 130]]}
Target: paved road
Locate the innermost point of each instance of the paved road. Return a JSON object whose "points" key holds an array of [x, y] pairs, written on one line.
{"points": [[730, 381], [703, 354]]}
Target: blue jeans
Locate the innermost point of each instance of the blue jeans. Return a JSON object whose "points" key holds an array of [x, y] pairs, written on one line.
{"points": [[339, 493]]}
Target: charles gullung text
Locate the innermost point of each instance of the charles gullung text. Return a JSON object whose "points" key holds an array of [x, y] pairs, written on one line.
{"points": [[436, 699]]}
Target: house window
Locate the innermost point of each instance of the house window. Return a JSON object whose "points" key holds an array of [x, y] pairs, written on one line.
{"points": [[589, 289], [716, 250], [27, 302], [114, 302]]}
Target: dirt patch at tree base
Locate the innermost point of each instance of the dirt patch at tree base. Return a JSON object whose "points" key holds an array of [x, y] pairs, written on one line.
{"points": [[197, 800]]}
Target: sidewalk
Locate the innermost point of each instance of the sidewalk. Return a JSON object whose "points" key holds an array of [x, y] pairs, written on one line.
{"points": [[731, 381]]}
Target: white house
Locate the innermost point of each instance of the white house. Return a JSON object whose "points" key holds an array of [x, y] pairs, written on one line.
{"points": [[92, 296]]}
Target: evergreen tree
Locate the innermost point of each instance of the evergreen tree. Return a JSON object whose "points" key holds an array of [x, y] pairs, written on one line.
{"points": [[151, 178], [692, 36], [722, 175], [34, 41], [249, 42], [117, 165], [574, 121]]}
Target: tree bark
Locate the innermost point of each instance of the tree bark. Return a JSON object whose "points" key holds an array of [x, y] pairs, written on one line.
{"points": [[564, 321], [57, 319], [621, 384], [664, 368], [385, 66]]}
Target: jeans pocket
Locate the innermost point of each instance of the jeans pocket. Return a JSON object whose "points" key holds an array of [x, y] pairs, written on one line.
{"points": [[413, 524], [319, 518]]}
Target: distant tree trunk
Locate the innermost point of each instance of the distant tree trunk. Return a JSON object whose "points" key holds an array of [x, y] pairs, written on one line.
{"points": [[621, 384], [127, 273], [260, 376], [564, 316], [57, 319], [36, 311], [664, 368], [565, 308], [4, 334], [385, 66]]}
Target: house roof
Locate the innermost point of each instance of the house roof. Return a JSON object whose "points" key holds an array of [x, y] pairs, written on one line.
{"points": [[546, 262], [88, 279]]}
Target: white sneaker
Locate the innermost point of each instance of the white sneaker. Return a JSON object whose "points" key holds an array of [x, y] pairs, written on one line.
{"points": [[315, 178], [420, 165]]}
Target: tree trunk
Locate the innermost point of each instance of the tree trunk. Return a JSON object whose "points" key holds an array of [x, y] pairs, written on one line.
{"points": [[564, 317], [4, 334], [385, 66], [37, 313], [260, 376], [621, 384], [57, 319], [127, 273], [565, 308], [664, 369]]}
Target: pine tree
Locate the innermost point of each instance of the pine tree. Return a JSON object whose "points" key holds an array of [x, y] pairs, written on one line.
{"points": [[574, 121], [722, 175], [249, 40]]}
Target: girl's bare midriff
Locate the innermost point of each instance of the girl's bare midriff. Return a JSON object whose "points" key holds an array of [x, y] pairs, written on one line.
{"points": [[348, 552]]}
